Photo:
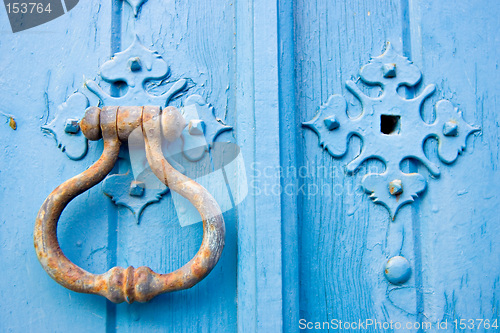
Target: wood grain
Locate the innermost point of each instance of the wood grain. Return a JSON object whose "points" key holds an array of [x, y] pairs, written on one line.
{"points": [[40, 68], [345, 240], [458, 50], [314, 250], [196, 40]]}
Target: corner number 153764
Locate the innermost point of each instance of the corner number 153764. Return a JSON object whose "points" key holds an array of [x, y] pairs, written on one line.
{"points": [[475, 324], [28, 7]]}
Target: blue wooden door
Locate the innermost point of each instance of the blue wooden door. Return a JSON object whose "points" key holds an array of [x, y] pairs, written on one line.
{"points": [[306, 246], [448, 234], [54, 63]]}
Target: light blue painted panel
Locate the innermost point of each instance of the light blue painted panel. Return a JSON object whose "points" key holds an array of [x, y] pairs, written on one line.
{"points": [[40, 68], [196, 40], [260, 272], [450, 231], [306, 243], [344, 239], [458, 49], [158, 241]]}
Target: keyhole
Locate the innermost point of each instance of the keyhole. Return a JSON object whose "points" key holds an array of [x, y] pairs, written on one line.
{"points": [[390, 124]]}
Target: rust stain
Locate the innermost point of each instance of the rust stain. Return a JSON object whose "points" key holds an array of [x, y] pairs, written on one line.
{"points": [[12, 123], [114, 125]]}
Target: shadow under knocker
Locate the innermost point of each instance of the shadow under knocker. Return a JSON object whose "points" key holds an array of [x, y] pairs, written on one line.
{"points": [[114, 125]]}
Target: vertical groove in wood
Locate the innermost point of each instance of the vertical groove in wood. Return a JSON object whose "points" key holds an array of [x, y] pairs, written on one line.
{"points": [[245, 122], [116, 26], [111, 259], [267, 120], [260, 261], [289, 160]]}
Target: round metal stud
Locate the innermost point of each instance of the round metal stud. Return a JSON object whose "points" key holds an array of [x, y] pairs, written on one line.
{"points": [[396, 187], [397, 270]]}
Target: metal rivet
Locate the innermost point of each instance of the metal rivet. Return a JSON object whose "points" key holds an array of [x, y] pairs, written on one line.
{"points": [[196, 127], [136, 189], [72, 126], [396, 187], [397, 270], [450, 128], [331, 123], [134, 64], [389, 70]]}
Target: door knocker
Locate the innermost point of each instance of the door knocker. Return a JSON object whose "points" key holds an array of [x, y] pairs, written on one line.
{"points": [[114, 125]]}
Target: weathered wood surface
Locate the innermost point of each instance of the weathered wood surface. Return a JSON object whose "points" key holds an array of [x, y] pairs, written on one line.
{"points": [[449, 235], [40, 68], [196, 39], [314, 250], [344, 238], [457, 48]]}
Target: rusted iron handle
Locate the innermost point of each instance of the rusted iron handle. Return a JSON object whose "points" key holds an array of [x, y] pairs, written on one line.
{"points": [[141, 284]]}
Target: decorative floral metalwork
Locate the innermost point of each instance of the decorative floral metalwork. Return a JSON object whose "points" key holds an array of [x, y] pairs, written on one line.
{"points": [[136, 67], [65, 129], [134, 193], [391, 129], [202, 130]]}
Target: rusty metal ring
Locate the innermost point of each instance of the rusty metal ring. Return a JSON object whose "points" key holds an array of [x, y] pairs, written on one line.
{"points": [[131, 284]]}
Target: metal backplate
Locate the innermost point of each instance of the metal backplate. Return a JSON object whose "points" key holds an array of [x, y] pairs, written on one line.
{"points": [[128, 74], [391, 129]]}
